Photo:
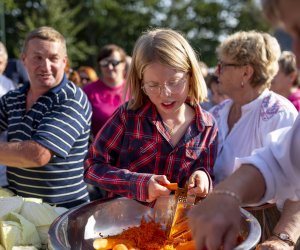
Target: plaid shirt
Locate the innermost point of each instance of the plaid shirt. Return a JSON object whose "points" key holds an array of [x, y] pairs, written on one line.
{"points": [[134, 144]]}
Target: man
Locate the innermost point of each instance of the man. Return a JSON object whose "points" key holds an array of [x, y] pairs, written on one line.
{"points": [[5, 85], [271, 172], [48, 123]]}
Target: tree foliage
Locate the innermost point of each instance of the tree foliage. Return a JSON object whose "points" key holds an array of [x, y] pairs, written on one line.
{"points": [[90, 24]]}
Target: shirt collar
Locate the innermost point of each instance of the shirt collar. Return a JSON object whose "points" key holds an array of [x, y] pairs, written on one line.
{"points": [[253, 104], [203, 118], [56, 89]]}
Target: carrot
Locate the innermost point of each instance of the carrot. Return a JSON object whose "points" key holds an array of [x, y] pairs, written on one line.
{"points": [[171, 186], [120, 247], [109, 243], [188, 245]]}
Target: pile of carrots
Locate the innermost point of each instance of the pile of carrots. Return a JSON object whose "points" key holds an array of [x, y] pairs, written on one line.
{"points": [[146, 236]]}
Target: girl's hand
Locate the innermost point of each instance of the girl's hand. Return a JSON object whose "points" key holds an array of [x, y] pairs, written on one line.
{"points": [[156, 188], [198, 184]]}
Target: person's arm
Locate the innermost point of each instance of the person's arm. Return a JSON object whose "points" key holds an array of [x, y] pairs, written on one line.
{"points": [[289, 223], [24, 154], [102, 162], [55, 134], [216, 220], [201, 174]]}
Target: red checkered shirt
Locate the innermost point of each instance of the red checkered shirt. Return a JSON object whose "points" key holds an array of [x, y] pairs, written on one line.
{"points": [[134, 144]]}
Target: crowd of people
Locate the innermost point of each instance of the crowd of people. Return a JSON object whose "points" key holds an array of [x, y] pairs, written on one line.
{"points": [[158, 116]]}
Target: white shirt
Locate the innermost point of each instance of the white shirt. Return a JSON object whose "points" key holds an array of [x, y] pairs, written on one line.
{"points": [[279, 163], [5, 85], [266, 113]]}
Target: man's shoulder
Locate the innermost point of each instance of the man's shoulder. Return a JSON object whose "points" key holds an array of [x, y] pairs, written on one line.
{"points": [[73, 97], [71, 92]]}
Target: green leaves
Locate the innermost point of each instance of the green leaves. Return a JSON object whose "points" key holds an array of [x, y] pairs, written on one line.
{"points": [[90, 24]]}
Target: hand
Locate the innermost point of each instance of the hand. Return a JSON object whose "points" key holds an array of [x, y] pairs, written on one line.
{"points": [[155, 187], [215, 222], [274, 243], [198, 184]]}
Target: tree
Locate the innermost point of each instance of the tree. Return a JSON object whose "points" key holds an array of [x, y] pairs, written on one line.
{"points": [[28, 15], [90, 24], [115, 21], [206, 23]]}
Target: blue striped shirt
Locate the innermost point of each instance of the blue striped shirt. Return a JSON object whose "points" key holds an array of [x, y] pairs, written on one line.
{"points": [[59, 121]]}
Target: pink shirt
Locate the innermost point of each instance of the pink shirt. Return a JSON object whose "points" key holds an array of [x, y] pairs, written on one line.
{"points": [[104, 100], [295, 99]]}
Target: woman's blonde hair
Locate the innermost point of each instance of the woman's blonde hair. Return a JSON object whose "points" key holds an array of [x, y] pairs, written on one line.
{"points": [[258, 49], [170, 48]]}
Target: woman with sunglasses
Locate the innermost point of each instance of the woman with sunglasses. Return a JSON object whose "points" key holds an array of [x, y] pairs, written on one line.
{"points": [[105, 94], [161, 135], [248, 61]]}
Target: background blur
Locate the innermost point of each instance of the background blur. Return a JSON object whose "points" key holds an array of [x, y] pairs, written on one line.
{"points": [[90, 24]]}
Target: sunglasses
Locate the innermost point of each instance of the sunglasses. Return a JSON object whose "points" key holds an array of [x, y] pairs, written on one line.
{"points": [[85, 78], [106, 63]]}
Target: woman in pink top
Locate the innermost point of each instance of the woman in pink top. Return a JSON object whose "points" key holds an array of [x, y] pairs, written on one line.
{"points": [[106, 94], [286, 82]]}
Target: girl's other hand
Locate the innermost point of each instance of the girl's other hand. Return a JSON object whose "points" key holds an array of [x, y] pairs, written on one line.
{"points": [[156, 187]]}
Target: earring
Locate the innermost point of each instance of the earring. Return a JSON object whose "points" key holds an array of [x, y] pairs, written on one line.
{"points": [[242, 84]]}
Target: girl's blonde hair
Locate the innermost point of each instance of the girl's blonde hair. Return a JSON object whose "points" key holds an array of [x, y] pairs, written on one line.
{"points": [[170, 48]]}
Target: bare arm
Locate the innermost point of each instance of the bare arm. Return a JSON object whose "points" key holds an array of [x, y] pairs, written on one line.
{"points": [[289, 223], [216, 220], [24, 154], [247, 183]]}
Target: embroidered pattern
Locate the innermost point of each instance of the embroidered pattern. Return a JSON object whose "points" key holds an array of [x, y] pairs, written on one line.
{"points": [[269, 109], [216, 110]]}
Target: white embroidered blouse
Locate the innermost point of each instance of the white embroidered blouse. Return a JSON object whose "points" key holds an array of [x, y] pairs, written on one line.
{"points": [[266, 113]]}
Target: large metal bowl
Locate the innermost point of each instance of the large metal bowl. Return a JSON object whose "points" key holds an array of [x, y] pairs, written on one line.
{"points": [[77, 228]]}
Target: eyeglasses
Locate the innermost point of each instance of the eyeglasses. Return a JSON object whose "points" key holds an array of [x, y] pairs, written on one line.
{"points": [[222, 65], [174, 86], [85, 78], [106, 63]]}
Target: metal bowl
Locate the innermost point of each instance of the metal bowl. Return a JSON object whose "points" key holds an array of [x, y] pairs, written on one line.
{"points": [[77, 228]]}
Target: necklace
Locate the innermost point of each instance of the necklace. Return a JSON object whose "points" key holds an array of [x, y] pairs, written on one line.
{"points": [[169, 129]]}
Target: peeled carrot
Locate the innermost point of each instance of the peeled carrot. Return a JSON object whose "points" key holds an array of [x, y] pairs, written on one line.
{"points": [[171, 186], [188, 245], [109, 243], [120, 247]]}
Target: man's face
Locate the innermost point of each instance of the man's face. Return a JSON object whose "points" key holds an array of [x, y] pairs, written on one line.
{"points": [[3, 62], [289, 10], [45, 62]]}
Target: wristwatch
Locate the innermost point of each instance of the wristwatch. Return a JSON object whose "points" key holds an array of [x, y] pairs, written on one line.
{"points": [[285, 237]]}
